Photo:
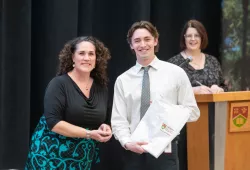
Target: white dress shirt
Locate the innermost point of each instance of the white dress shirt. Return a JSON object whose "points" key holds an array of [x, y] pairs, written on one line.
{"points": [[166, 80]]}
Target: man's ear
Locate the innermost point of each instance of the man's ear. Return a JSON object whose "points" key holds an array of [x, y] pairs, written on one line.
{"points": [[156, 41]]}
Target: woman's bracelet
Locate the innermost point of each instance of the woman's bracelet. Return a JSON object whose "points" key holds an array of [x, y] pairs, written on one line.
{"points": [[88, 135]]}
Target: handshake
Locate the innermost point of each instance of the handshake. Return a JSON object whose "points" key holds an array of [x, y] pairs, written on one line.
{"points": [[102, 134]]}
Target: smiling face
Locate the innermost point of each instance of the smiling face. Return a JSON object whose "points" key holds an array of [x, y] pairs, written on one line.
{"points": [[192, 39], [84, 57], [143, 44]]}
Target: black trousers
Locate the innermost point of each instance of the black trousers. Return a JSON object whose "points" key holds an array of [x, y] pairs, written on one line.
{"points": [[145, 161]]}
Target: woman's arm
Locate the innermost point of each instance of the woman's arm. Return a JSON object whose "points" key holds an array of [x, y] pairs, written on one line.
{"points": [[221, 79], [54, 108], [66, 129]]}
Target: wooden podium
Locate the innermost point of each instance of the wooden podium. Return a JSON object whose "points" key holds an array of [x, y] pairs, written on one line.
{"points": [[232, 133]]}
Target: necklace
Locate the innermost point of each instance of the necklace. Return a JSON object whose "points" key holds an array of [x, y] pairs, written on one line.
{"points": [[87, 88]]}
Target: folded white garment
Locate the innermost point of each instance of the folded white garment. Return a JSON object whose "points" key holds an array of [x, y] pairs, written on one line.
{"points": [[160, 125]]}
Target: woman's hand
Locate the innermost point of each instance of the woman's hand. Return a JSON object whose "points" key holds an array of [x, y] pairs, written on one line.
{"points": [[106, 128], [100, 135], [216, 89], [202, 90]]}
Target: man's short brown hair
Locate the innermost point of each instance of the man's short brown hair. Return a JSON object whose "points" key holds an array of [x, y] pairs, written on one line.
{"points": [[146, 25]]}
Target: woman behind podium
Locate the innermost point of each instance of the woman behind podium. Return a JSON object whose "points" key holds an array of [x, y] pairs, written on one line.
{"points": [[204, 72]]}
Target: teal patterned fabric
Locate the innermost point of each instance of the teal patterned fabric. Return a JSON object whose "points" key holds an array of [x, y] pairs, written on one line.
{"points": [[49, 151]]}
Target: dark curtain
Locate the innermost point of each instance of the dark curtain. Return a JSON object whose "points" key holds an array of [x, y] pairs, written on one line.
{"points": [[33, 32]]}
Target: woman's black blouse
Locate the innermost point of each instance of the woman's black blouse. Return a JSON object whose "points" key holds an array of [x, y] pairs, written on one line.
{"points": [[211, 73], [65, 101]]}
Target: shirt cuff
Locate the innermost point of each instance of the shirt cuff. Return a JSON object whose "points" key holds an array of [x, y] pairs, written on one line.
{"points": [[123, 141]]}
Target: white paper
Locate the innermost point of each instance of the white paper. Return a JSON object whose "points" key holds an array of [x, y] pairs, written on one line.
{"points": [[160, 125], [168, 149]]}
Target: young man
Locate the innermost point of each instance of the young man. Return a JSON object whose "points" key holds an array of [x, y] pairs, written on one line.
{"points": [[136, 88]]}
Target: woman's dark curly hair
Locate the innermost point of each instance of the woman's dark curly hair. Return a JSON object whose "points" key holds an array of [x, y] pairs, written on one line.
{"points": [[99, 73]]}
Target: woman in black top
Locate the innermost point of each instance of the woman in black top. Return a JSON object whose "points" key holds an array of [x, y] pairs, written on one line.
{"points": [[204, 72], [75, 109]]}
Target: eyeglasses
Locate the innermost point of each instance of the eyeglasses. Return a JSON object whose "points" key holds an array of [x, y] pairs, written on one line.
{"points": [[190, 36]]}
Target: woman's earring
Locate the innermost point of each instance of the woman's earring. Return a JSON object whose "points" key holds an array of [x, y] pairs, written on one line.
{"points": [[73, 64]]}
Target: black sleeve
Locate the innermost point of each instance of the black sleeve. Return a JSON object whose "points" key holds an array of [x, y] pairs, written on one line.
{"points": [[109, 100], [221, 79], [173, 60], [54, 102], [222, 82], [108, 115], [177, 60]]}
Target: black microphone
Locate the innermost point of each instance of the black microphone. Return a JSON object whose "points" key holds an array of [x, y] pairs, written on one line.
{"points": [[187, 60]]}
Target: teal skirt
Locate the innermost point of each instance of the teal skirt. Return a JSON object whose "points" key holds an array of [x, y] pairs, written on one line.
{"points": [[49, 150]]}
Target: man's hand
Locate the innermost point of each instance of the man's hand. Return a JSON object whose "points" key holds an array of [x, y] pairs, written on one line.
{"points": [[135, 147]]}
